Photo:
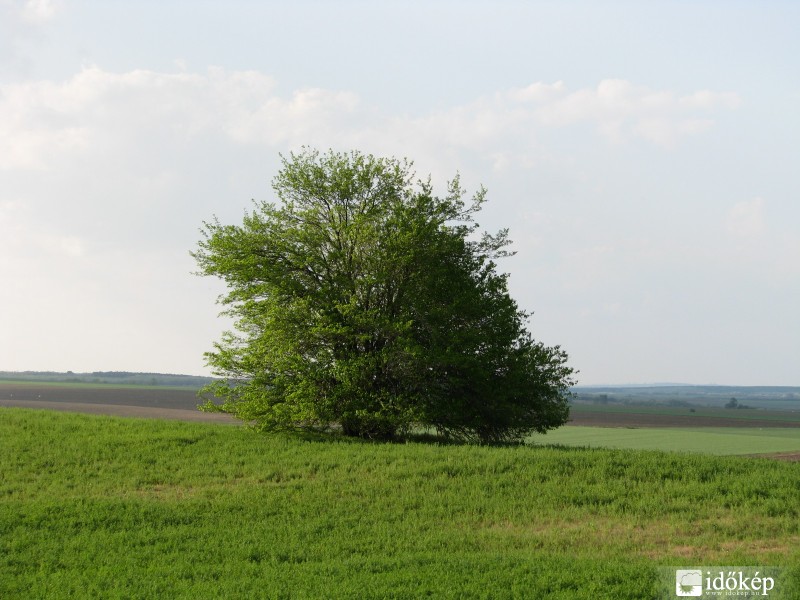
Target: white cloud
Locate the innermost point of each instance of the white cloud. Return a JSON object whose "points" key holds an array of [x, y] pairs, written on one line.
{"points": [[621, 110], [97, 111], [43, 121], [31, 12], [308, 116], [618, 110], [39, 10], [538, 92], [746, 218], [706, 99]]}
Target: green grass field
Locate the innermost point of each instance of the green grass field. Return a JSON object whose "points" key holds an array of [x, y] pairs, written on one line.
{"points": [[98, 507], [707, 440]]}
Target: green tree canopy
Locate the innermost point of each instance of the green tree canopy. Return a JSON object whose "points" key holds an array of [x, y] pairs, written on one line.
{"points": [[363, 301]]}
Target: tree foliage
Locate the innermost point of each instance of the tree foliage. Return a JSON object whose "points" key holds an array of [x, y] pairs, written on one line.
{"points": [[363, 301]]}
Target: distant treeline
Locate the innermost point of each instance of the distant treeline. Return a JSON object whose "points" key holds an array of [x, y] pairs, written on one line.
{"points": [[110, 377], [787, 397]]}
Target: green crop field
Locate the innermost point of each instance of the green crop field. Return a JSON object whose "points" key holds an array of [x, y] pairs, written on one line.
{"points": [[100, 507], [708, 440]]}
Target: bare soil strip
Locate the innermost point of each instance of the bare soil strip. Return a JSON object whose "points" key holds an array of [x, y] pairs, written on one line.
{"points": [[617, 419], [119, 410], [147, 403], [126, 396], [787, 456]]}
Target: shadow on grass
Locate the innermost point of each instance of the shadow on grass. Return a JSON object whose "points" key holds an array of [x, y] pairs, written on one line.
{"points": [[438, 439], [423, 437]]}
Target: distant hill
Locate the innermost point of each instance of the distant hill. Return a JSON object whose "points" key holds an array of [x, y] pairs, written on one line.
{"points": [[109, 377], [772, 397]]}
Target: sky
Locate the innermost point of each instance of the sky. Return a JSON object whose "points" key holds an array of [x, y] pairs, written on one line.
{"points": [[644, 156]]}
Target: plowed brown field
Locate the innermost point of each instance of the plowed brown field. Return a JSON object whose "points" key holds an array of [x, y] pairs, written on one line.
{"points": [[156, 403]]}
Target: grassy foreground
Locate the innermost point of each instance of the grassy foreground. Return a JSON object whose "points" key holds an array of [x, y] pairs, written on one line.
{"points": [[97, 507]]}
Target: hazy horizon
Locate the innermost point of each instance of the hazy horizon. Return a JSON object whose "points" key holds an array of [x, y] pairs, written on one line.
{"points": [[628, 384]]}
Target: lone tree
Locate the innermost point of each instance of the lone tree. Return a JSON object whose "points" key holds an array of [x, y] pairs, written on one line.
{"points": [[365, 302]]}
